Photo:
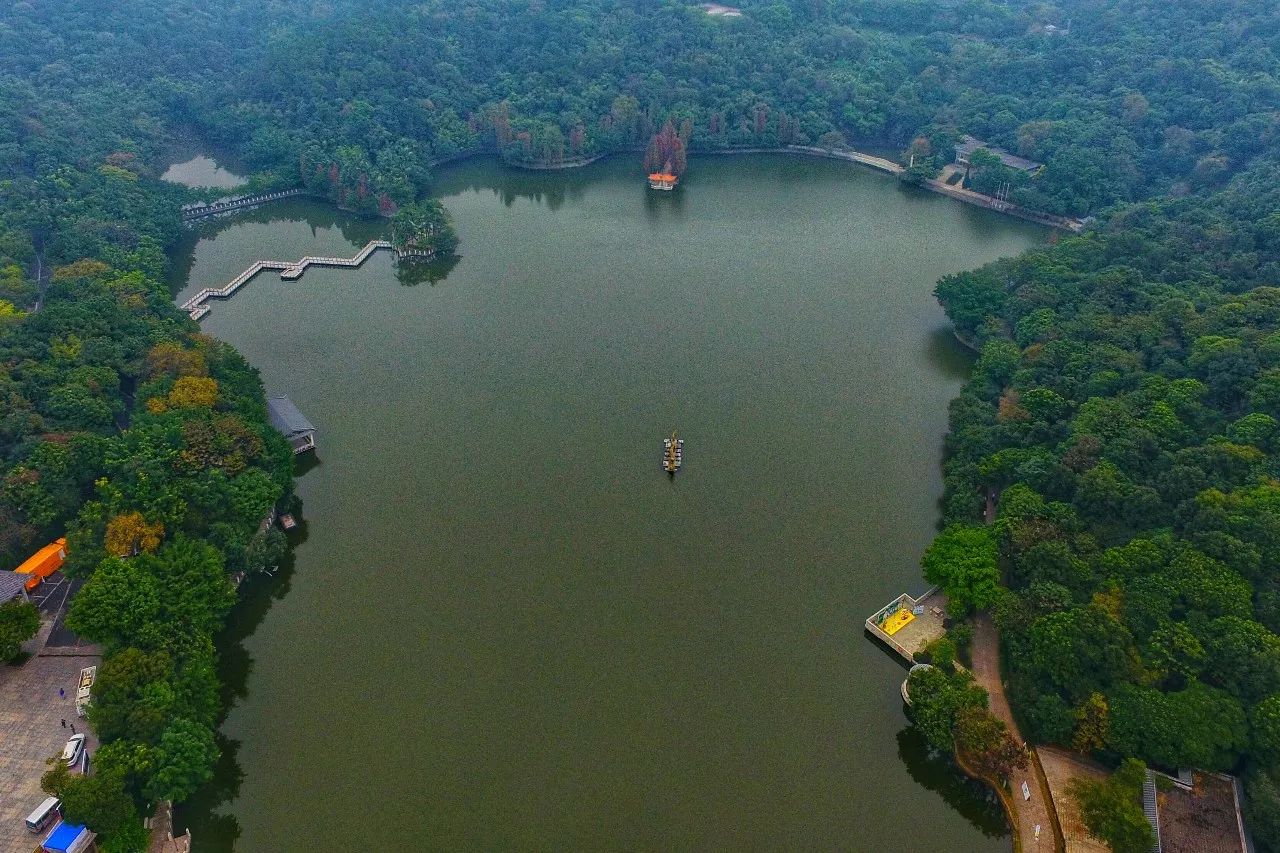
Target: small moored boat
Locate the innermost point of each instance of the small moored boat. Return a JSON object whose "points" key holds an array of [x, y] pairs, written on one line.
{"points": [[672, 454]]}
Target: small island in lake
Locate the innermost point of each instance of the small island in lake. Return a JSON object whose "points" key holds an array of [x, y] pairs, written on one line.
{"points": [[666, 156], [422, 230]]}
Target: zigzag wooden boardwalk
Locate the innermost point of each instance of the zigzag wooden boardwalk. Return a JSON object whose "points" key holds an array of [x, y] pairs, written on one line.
{"points": [[289, 271]]}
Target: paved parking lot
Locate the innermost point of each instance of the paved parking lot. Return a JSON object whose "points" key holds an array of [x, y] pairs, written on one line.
{"points": [[31, 715], [52, 597]]}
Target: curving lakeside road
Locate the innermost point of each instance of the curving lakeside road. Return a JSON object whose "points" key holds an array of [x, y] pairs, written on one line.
{"points": [[1038, 810]]}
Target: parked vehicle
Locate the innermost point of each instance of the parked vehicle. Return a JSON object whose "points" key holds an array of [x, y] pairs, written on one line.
{"points": [[43, 563], [44, 814], [73, 750], [85, 688]]}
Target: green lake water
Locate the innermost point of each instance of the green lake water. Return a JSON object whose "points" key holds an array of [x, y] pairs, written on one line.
{"points": [[202, 171], [503, 627]]}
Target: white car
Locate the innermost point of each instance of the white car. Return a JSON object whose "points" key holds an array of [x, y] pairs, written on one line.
{"points": [[73, 750]]}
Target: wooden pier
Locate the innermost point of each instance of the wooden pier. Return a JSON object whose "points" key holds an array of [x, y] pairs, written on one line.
{"points": [[197, 305]]}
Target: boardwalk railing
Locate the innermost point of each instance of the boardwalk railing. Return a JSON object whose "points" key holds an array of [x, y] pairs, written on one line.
{"points": [[199, 210], [1149, 807], [854, 156], [289, 270]]}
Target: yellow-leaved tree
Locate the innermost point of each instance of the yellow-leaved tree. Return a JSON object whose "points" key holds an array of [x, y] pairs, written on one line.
{"points": [[130, 533], [194, 392]]}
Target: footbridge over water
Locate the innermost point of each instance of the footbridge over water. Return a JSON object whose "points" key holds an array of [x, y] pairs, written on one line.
{"points": [[202, 209], [197, 305]]}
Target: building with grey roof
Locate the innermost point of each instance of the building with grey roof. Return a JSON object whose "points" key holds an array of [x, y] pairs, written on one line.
{"points": [[291, 423], [13, 585], [968, 144]]}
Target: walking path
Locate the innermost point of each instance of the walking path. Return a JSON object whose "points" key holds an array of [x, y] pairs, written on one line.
{"points": [[938, 185], [1028, 813], [289, 271], [201, 209], [1061, 768]]}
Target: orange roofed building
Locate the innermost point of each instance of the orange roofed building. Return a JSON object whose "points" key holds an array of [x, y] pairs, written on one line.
{"points": [[662, 181], [43, 563]]}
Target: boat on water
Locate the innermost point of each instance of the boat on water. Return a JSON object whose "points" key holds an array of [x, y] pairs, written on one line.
{"points": [[672, 454], [662, 181]]}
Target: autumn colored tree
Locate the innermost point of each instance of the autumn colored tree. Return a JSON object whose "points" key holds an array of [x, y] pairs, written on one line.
{"points": [[1092, 724], [172, 359], [666, 151], [986, 745], [193, 392], [130, 533]]}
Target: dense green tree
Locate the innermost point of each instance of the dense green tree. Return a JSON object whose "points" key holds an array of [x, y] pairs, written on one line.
{"points": [[1081, 651], [101, 801], [184, 760], [1262, 808], [1199, 726], [133, 696], [986, 744], [19, 622], [962, 561], [119, 606], [1264, 722], [1112, 809], [937, 698]]}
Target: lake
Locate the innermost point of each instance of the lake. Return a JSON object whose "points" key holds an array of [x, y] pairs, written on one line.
{"points": [[503, 627]]}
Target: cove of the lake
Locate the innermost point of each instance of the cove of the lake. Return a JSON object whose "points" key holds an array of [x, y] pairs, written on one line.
{"points": [[503, 627], [202, 171]]}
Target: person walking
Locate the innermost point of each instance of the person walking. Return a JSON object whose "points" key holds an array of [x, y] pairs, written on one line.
{"points": [[62, 694], [64, 724], [73, 728]]}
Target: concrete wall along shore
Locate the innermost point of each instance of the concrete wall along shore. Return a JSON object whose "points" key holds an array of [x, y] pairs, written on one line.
{"points": [[924, 628]]}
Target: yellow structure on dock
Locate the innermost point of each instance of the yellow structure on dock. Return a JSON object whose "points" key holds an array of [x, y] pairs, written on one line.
{"points": [[896, 621], [908, 624]]}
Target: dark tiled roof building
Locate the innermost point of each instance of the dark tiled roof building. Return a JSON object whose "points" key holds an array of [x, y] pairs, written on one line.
{"points": [[291, 423], [969, 144]]}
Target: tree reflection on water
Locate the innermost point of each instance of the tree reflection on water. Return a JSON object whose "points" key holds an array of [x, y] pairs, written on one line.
{"points": [[937, 772]]}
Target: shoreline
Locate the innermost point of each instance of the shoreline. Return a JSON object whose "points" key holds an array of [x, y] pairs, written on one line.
{"points": [[871, 161], [879, 164]]}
